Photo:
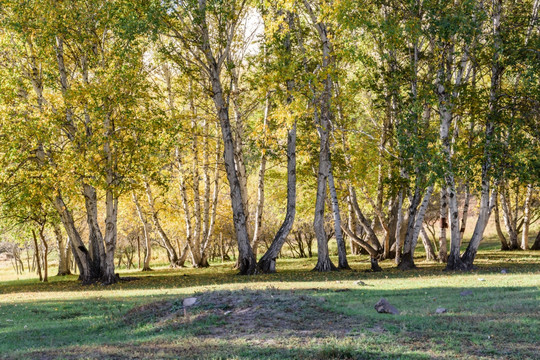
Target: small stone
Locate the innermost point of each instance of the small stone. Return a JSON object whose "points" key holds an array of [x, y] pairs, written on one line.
{"points": [[481, 279], [440, 310], [384, 307], [504, 271], [189, 301], [466, 293], [360, 283]]}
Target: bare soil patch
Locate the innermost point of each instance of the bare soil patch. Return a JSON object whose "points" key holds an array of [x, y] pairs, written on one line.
{"points": [[232, 313]]}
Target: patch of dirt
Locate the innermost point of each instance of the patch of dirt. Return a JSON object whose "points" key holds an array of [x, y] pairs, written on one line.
{"points": [[248, 312]]}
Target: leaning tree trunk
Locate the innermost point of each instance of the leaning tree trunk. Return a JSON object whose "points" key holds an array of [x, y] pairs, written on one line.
{"points": [[486, 200], [246, 258], [267, 264], [80, 252], [372, 246], [414, 226]]}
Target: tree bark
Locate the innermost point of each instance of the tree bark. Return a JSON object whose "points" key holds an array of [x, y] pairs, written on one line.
{"points": [[465, 213], [197, 229], [415, 224], [111, 231], [323, 257], [171, 253], [342, 251], [267, 264], [146, 233], [500, 234], [399, 223], [45, 254], [63, 261], [430, 253], [507, 217], [260, 184], [246, 258], [36, 253], [526, 219], [208, 232], [323, 121], [487, 200], [443, 243], [80, 252], [95, 243]]}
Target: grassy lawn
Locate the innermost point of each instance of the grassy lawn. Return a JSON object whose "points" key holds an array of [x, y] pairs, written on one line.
{"points": [[294, 314]]}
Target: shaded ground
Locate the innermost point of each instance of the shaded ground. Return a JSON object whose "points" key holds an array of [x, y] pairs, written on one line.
{"points": [[295, 314]]}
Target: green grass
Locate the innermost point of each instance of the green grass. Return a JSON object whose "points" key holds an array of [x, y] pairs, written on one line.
{"points": [[294, 314]]}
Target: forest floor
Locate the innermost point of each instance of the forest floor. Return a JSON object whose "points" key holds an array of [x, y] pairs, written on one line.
{"points": [[294, 314]]}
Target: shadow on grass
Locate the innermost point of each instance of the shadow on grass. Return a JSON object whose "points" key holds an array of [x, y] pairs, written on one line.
{"points": [[272, 323], [289, 270]]}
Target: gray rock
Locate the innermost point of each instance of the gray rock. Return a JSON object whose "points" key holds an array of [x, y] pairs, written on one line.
{"points": [[440, 310], [504, 271], [360, 282], [384, 307], [189, 301], [466, 293]]}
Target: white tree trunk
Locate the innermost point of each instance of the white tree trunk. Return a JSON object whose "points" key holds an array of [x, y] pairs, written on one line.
{"points": [[260, 184], [171, 253], [487, 200], [342, 251], [267, 263], [95, 237], [63, 264], [146, 232], [443, 242], [80, 252], [526, 218]]}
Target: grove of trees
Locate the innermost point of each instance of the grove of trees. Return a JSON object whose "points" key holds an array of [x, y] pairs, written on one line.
{"points": [[206, 129]]}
